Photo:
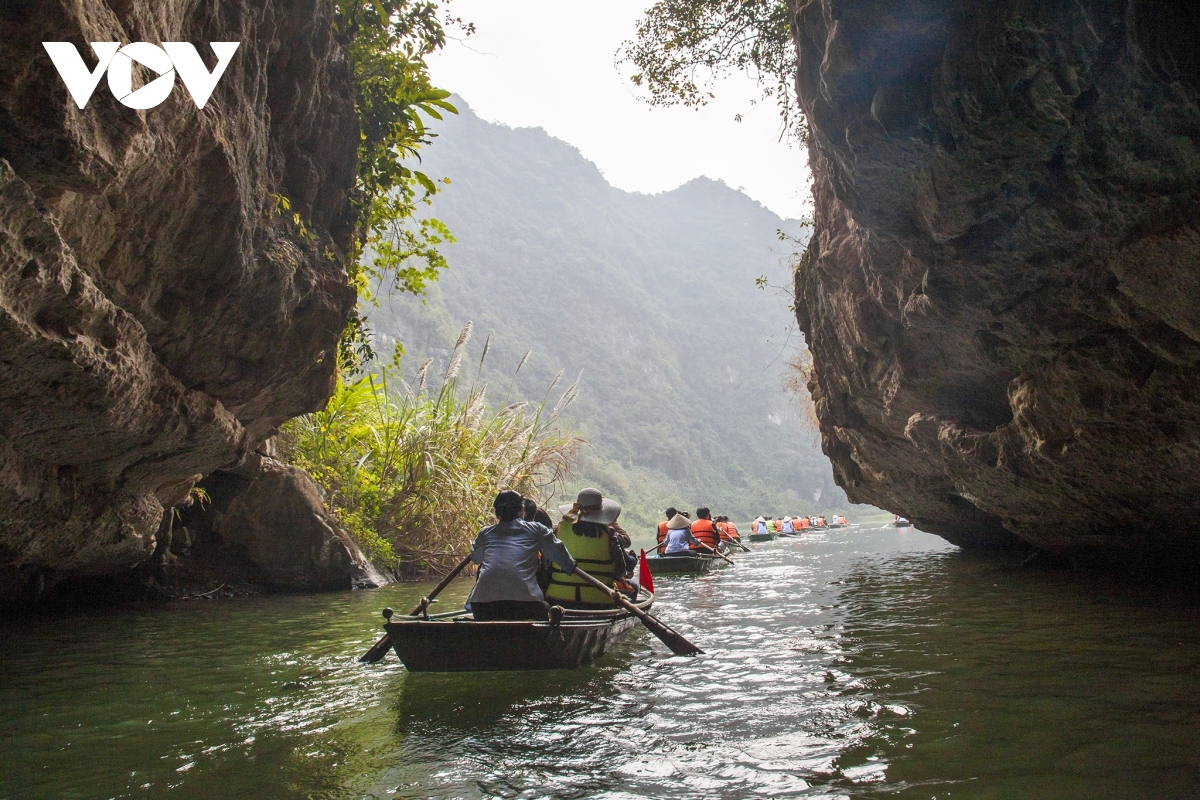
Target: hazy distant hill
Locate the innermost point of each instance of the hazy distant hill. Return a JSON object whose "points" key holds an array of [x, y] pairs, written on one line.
{"points": [[652, 297]]}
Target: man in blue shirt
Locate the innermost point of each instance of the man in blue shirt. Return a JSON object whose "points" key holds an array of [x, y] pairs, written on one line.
{"points": [[507, 555]]}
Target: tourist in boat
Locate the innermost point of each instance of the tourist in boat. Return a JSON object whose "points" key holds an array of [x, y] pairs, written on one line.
{"points": [[787, 526], [679, 536], [760, 525], [800, 523], [704, 531], [662, 526], [728, 531], [598, 544], [507, 555], [778, 525]]}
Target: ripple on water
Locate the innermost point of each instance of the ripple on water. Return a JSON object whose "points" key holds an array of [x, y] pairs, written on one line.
{"points": [[850, 663]]}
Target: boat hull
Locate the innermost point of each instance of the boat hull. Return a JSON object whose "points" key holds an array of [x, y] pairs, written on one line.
{"points": [[761, 537], [464, 644], [690, 564]]}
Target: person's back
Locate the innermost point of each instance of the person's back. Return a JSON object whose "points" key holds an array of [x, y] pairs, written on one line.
{"points": [[778, 525], [704, 531], [587, 532], [787, 526], [507, 555], [762, 526], [679, 536]]}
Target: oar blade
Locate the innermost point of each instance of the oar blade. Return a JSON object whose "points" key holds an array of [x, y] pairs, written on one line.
{"points": [[377, 651], [675, 641]]}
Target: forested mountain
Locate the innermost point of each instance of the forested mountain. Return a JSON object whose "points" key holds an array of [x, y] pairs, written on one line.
{"points": [[652, 298]]}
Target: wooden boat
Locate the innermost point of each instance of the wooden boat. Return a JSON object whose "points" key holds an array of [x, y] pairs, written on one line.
{"points": [[902, 523], [761, 537], [456, 642], [682, 564]]}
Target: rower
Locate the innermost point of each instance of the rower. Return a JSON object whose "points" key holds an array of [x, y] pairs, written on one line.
{"points": [[507, 555], [591, 534], [662, 526], [787, 525], [728, 531], [679, 536], [760, 525], [704, 531]]}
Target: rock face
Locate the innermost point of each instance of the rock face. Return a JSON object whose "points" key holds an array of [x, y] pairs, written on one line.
{"points": [[267, 526], [158, 314], [1002, 294]]}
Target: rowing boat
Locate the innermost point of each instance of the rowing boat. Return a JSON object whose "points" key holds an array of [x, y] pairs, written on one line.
{"points": [[457, 642], [902, 523], [681, 563], [761, 537]]}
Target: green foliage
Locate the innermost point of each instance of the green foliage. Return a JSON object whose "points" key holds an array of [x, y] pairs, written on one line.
{"points": [[412, 472], [683, 47], [387, 42]]}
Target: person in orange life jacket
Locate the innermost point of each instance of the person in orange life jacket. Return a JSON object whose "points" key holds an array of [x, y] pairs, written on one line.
{"points": [[704, 530], [662, 526], [728, 531], [591, 534], [507, 555], [679, 536], [778, 525]]}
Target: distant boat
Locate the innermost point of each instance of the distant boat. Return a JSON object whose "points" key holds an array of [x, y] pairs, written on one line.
{"points": [[902, 523], [761, 537], [457, 642]]}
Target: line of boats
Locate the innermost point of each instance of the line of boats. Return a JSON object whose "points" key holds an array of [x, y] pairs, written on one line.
{"points": [[456, 642]]}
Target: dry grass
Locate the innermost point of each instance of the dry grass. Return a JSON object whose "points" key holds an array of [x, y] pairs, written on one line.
{"points": [[412, 473]]}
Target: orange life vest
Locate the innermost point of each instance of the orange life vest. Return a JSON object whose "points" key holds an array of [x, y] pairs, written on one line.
{"points": [[703, 530], [804, 522], [729, 532], [662, 532], [778, 525]]}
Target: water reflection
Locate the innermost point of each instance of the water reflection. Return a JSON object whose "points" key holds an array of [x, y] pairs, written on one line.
{"points": [[841, 664]]}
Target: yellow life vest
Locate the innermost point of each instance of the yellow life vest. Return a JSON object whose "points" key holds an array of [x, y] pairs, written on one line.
{"points": [[593, 556]]}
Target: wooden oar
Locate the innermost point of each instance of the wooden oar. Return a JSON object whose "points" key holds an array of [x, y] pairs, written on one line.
{"points": [[715, 553], [739, 544], [672, 639], [380, 648]]}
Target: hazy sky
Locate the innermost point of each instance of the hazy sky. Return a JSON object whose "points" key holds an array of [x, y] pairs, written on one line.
{"points": [[550, 64]]}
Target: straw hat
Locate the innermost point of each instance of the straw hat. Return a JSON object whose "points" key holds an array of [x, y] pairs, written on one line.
{"points": [[678, 523], [592, 506]]}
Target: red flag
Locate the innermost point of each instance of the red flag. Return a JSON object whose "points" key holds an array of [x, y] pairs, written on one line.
{"points": [[644, 576]]}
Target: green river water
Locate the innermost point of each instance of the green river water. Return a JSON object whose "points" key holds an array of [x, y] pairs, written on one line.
{"points": [[862, 663]]}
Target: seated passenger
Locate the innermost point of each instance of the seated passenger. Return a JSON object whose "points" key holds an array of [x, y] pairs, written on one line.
{"points": [[507, 555], [787, 526], [590, 532], [760, 525], [704, 531], [679, 536], [728, 531], [662, 526]]}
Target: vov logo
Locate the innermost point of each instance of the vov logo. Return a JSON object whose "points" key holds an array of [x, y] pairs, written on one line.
{"points": [[117, 61]]}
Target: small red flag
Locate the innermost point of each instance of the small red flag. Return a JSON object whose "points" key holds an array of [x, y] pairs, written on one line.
{"points": [[644, 576]]}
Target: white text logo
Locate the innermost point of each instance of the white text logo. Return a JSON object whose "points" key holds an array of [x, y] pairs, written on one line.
{"points": [[117, 61]]}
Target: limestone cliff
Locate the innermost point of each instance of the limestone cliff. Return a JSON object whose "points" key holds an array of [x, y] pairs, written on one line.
{"points": [[1002, 295], [158, 315]]}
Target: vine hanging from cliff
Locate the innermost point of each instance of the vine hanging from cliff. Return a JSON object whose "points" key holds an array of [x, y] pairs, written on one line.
{"points": [[388, 42], [682, 47]]}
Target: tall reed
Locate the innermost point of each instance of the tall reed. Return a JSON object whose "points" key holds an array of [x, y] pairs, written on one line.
{"points": [[411, 471]]}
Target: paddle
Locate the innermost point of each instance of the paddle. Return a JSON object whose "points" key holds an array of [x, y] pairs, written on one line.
{"points": [[739, 544], [715, 553], [672, 639], [380, 648]]}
